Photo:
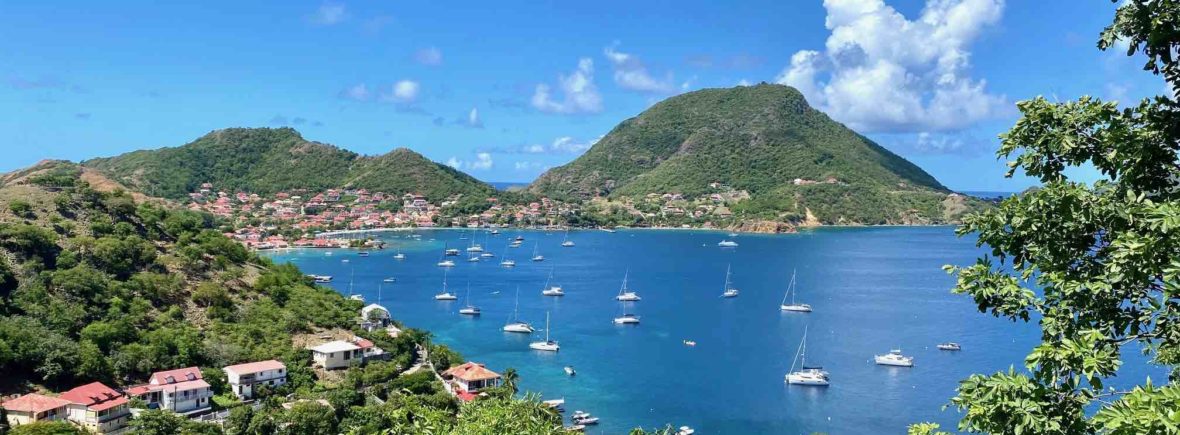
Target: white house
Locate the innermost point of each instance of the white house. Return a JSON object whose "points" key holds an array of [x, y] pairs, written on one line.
{"points": [[244, 378], [468, 378], [374, 316], [336, 354], [182, 391], [98, 408], [34, 407]]}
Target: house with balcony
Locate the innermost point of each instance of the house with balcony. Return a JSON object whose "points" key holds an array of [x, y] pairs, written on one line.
{"points": [[243, 379], [182, 391], [467, 379], [31, 408], [337, 354], [97, 408]]}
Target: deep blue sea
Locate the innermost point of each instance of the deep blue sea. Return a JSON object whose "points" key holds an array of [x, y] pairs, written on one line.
{"points": [[872, 289]]}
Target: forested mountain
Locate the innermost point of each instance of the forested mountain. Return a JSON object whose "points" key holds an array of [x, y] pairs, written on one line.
{"points": [[266, 160], [765, 140]]}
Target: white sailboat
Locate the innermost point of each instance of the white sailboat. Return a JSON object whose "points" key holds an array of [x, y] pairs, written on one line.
{"points": [[625, 294], [728, 290], [551, 290], [536, 256], [626, 319], [894, 358], [814, 376], [469, 310], [474, 247], [517, 325], [399, 255], [567, 243], [547, 345], [445, 295], [794, 307]]}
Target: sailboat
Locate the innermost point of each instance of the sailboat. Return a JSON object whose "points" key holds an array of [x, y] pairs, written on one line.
{"points": [[399, 255], [625, 294], [445, 295], [626, 319], [567, 243], [798, 308], [507, 262], [475, 247], [547, 345], [536, 256], [729, 291], [469, 310], [517, 325], [444, 262], [554, 290], [814, 376]]}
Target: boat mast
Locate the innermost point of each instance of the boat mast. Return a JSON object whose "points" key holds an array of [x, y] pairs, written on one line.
{"points": [[727, 267], [546, 326]]}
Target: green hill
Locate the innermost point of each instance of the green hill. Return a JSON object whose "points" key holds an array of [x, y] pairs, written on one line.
{"points": [[265, 160], [759, 139]]}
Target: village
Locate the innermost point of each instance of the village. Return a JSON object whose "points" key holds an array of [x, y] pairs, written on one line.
{"points": [[101, 409]]}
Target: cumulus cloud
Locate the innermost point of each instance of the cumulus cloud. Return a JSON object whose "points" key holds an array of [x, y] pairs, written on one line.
{"points": [[454, 162], [404, 91], [483, 161], [428, 56], [577, 93], [632, 74], [329, 14], [881, 72], [357, 92]]}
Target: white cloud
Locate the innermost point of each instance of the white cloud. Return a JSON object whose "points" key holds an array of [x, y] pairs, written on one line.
{"points": [[880, 72], [329, 14], [454, 162], [358, 92], [631, 74], [744, 82], [569, 145], [429, 56], [529, 166], [473, 119], [404, 91], [578, 93], [483, 161]]}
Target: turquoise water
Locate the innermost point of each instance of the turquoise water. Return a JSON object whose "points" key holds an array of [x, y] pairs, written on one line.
{"points": [[872, 289]]}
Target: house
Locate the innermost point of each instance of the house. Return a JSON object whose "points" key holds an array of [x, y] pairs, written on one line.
{"points": [[336, 354], [182, 391], [98, 408], [375, 313], [34, 407], [244, 378], [468, 378]]}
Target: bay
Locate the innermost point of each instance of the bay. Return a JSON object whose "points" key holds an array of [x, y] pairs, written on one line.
{"points": [[872, 289]]}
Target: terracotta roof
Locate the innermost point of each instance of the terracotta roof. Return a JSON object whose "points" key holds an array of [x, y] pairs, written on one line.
{"points": [[34, 403], [174, 376], [363, 344], [95, 396], [255, 367], [470, 371]]}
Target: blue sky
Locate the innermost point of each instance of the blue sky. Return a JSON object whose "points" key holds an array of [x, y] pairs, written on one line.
{"points": [[504, 90]]}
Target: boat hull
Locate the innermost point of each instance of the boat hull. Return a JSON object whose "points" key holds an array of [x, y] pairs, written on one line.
{"points": [[520, 328], [545, 347], [797, 308], [795, 379], [893, 362]]}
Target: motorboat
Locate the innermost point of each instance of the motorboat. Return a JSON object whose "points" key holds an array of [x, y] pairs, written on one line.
{"points": [[548, 345], [321, 278], [390, 279], [518, 238], [494, 232], [685, 430], [358, 298], [894, 358], [950, 346], [569, 370], [363, 254], [727, 244], [813, 376], [728, 290], [793, 306], [583, 418], [452, 252], [554, 403], [625, 294], [446, 263], [690, 343]]}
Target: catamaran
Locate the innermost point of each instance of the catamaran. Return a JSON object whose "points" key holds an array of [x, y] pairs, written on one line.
{"points": [[815, 376], [567, 243], [469, 310], [798, 308], [551, 290], [894, 358], [729, 291], [536, 256], [517, 325], [445, 295], [547, 345], [625, 294], [626, 319]]}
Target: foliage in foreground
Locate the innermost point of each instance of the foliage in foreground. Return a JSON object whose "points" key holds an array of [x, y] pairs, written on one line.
{"points": [[1097, 266]]}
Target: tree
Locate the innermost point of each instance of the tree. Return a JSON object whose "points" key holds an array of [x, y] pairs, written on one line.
{"points": [[47, 428], [21, 208], [156, 422], [308, 418], [510, 378], [1097, 266]]}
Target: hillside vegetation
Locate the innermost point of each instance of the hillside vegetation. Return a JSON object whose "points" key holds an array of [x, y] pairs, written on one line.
{"points": [[759, 139], [265, 160]]}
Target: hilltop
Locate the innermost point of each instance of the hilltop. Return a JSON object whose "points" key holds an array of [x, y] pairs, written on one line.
{"points": [[783, 158], [266, 160]]}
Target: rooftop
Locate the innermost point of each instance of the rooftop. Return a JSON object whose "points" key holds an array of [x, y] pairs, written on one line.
{"points": [[471, 371], [95, 396], [335, 346], [174, 376], [34, 403], [255, 367]]}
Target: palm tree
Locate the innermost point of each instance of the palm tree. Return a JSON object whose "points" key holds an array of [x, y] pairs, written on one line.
{"points": [[510, 377]]}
